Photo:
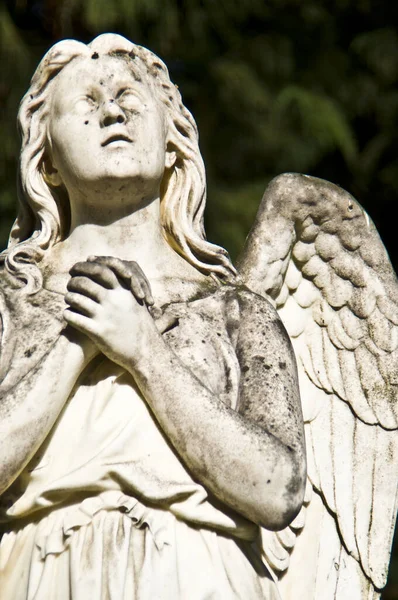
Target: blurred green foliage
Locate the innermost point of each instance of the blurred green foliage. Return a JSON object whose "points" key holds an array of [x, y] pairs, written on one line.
{"points": [[275, 85]]}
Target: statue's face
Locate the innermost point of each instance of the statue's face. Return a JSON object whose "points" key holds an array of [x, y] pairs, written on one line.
{"points": [[105, 126]]}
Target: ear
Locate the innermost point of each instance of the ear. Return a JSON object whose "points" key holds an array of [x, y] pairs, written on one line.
{"points": [[171, 158], [50, 174]]}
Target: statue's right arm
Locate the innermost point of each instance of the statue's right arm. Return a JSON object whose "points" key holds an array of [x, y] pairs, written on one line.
{"points": [[29, 408]]}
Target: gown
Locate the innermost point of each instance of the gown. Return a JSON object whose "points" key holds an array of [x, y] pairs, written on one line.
{"points": [[106, 509]]}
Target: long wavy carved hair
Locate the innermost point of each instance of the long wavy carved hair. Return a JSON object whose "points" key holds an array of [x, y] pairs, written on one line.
{"points": [[43, 218]]}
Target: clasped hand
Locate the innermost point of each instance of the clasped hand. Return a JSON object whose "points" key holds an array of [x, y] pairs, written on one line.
{"points": [[108, 301]]}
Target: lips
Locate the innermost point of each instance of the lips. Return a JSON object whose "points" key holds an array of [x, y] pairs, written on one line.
{"points": [[116, 137]]}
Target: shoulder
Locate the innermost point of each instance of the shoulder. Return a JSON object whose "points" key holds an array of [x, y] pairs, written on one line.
{"points": [[251, 304], [249, 318], [19, 304], [29, 325], [259, 328], [242, 307], [229, 294], [244, 298]]}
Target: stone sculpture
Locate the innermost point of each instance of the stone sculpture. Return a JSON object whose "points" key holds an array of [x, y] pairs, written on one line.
{"points": [[152, 435]]}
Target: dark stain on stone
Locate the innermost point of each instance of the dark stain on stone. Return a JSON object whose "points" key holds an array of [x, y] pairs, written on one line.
{"points": [[228, 385], [29, 352], [258, 357]]}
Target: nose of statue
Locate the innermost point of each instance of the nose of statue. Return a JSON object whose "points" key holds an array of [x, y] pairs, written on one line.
{"points": [[112, 113]]}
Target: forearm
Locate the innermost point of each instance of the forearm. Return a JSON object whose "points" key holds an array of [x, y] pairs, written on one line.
{"points": [[241, 463], [29, 410]]}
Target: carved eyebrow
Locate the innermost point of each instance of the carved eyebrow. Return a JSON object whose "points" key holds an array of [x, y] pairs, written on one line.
{"points": [[128, 88], [121, 91], [85, 97]]}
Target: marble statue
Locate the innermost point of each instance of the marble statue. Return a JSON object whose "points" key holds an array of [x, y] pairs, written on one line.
{"points": [[153, 441]]}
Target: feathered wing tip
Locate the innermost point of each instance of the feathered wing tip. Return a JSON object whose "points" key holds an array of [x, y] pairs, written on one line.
{"points": [[317, 255]]}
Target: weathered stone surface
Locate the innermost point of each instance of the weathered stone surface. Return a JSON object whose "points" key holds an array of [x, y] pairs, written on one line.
{"points": [[150, 417], [337, 295]]}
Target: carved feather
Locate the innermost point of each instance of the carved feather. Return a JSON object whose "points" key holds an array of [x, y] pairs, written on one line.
{"points": [[341, 311]]}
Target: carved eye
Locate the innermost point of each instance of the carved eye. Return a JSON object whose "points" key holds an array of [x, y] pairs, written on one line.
{"points": [[128, 100], [85, 104]]}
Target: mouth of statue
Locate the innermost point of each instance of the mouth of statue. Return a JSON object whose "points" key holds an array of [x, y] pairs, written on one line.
{"points": [[116, 138]]}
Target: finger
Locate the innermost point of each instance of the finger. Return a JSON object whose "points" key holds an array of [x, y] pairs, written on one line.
{"points": [[119, 266], [124, 271], [80, 322], [144, 283], [136, 288], [132, 273], [87, 287], [97, 272], [81, 304]]}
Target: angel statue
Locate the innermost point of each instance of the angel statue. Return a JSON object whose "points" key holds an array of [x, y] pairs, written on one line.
{"points": [[153, 441]]}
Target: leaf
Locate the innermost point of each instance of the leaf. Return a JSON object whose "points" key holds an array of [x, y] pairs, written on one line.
{"points": [[379, 50], [12, 44], [240, 87], [320, 117]]}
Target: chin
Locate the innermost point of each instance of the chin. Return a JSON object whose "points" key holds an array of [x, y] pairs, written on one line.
{"points": [[129, 183]]}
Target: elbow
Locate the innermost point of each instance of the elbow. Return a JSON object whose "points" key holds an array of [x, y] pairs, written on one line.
{"points": [[5, 481], [282, 498], [281, 516]]}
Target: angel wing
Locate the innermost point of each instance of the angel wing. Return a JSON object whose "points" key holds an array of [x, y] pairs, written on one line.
{"points": [[317, 256]]}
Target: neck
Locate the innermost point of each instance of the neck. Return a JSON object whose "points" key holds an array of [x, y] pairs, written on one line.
{"points": [[137, 236], [128, 235]]}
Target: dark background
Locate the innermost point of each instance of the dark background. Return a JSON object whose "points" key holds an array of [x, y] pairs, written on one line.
{"points": [[274, 85]]}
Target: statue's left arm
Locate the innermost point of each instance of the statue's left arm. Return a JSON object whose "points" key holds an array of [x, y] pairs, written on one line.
{"points": [[252, 459]]}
